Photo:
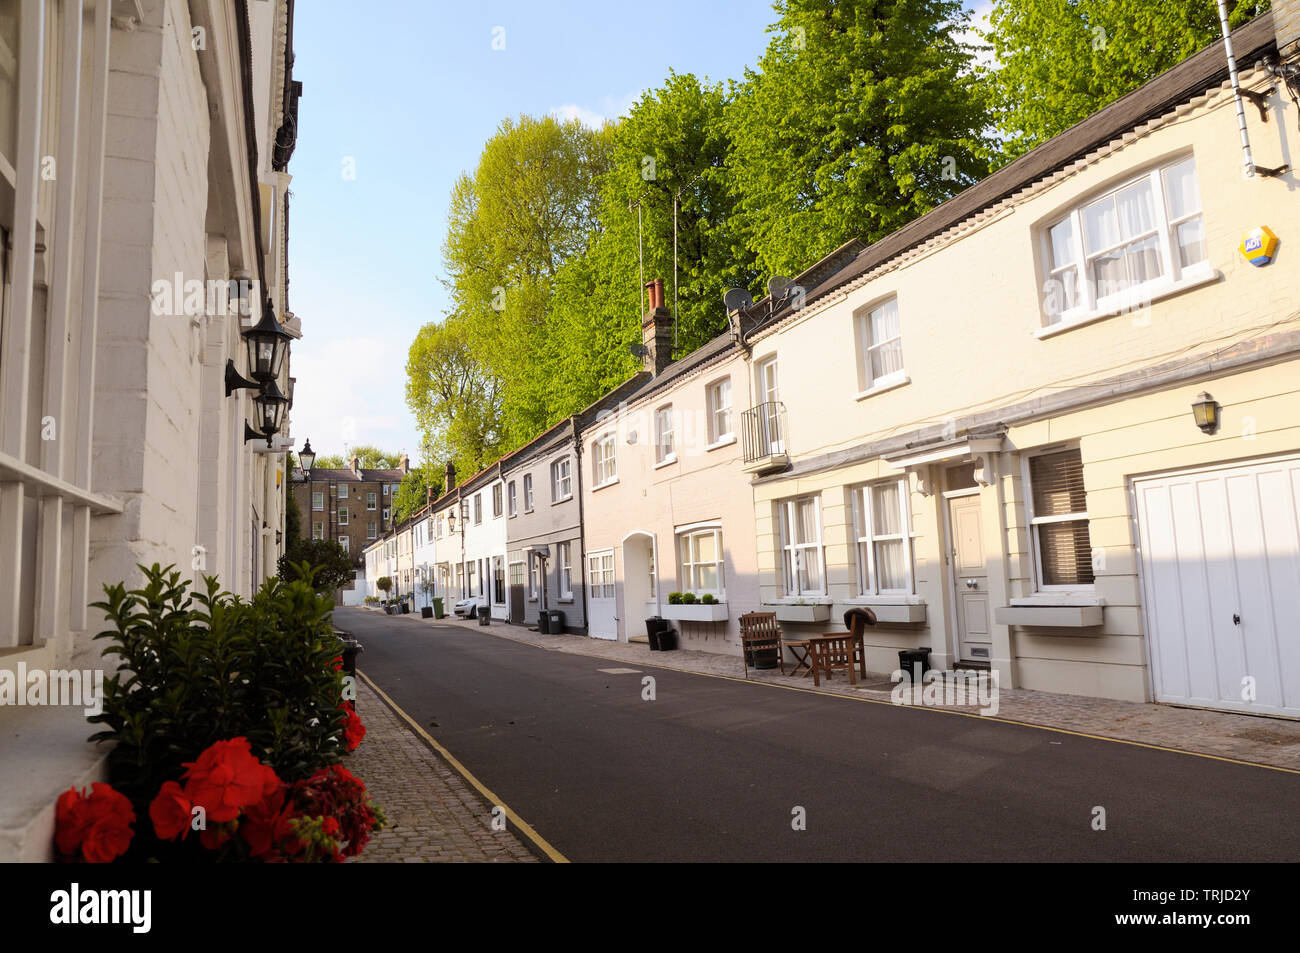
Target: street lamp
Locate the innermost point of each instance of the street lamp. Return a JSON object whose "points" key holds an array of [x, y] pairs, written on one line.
{"points": [[267, 344], [306, 457]]}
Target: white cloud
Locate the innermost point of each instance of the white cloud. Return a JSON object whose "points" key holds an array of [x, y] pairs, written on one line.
{"points": [[607, 108]]}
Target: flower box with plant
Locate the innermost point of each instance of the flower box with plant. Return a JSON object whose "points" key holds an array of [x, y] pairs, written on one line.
{"points": [[689, 607], [209, 686]]}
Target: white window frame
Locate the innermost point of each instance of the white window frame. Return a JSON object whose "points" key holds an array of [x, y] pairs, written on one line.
{"points": [[665, 435], [596, 574], [562, 485], [687, 566], [384, 515], [499, 591], [318, 501], [1033, 522], [497, 500], [372, 530], [866, 538], [528, 492], [867, 345], [604, 460], [564, 569], [719, 412], [318, 530], [534, 578], [385, 489], [512, 499], [372, 501], [478, 509], [346, 542], [793, 554], [341, 516], [1174, 275], [343, 491]]}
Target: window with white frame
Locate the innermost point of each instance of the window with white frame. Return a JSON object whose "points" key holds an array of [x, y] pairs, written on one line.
{"points": [[718, 400], [317, 530], [496, 500], [318, 501], [1127, 244], [385, 514], [528, 492], [600, 575], [343, 491], [564, 569], [534, 576], [881, 340], [385, 489], [346, 543], [371, 500], [372, 530], [700, 551], [342, 517], [604, 465], [471, 578], [561, 480], [882, 523], [1059, 520], [512, 499], [802, 558], [478, 508], [665, 449], [498, 580]]}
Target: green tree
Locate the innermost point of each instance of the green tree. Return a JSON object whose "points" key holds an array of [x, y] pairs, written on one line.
{"points": [[862, 115], [330, 566], [412, 494], [455, 398], [329, 461], [1062, 60], [292, 515]]}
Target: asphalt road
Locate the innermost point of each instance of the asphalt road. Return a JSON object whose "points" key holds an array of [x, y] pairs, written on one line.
{"points": [[715, 770]]}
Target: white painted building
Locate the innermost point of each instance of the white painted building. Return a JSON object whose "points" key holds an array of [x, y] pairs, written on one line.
{"points": [[170, 125]]}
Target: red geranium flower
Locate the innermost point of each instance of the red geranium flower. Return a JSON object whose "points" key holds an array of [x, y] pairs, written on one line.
{"points": [[225, 779], [171, 812], [353, 729], [98, 826]]}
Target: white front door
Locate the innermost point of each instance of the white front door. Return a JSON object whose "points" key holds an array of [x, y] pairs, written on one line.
{"points": [[970, 579], [602, 622], [1221, 585]]}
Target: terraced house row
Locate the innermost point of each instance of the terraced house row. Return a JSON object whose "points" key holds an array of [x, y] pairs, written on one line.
{"points": [[1051, 428]]}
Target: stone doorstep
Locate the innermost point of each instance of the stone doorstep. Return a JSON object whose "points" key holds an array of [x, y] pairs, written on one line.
{"points": [[43, 752], [1259, 739]]}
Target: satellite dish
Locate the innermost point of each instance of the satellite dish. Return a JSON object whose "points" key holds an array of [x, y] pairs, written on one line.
{"points": [[777, 286], [638, 349], [738, 299]]}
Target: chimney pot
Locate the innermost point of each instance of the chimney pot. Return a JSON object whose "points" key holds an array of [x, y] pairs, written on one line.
{"points": [[657, 330]]}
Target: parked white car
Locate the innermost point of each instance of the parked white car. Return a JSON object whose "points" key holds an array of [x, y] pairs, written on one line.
{"points": [[468, 608]]}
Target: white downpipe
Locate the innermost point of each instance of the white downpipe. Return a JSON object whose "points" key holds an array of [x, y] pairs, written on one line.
{"points": [[1248, 161]]}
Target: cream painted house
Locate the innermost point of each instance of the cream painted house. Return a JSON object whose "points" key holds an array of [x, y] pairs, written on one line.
{"points": [[143, 196], [988, 417], [666, 505]]}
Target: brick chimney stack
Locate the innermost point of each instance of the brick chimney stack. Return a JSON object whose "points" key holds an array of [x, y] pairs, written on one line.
{"points": [[449, 478], [1286, 27], [657, 330], [356, 464], [404, 464]]}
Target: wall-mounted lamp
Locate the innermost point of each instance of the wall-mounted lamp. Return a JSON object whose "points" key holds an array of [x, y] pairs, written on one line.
{"points": [[1205, 411], [267, 344], [235, 380]]}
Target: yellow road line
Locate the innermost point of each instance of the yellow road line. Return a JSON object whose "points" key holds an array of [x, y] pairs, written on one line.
{"points": [[542, 843], [940, 711]]}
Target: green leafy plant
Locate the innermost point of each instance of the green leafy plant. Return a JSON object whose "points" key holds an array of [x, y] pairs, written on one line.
{"points": [[198, 667], [330, 566], [708, 599], [384, 584], [674, 598], [688, 599]]}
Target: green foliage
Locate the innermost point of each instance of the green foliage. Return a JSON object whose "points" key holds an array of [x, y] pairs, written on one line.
{"points": [[384, 584], [196, 668], [329, 461], [330, 567], [1062, 61], [674, 598], [861, 116], [708, 599], [455, 398], [412, 494], [370, 458], [292, 515], [689, 599]]}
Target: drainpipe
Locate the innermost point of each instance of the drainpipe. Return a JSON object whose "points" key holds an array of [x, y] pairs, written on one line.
{"points": [[1247, 161], [582, 524]]}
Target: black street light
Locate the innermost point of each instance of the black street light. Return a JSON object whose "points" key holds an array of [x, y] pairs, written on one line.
{"points": [[267, 344], [306, 457]]}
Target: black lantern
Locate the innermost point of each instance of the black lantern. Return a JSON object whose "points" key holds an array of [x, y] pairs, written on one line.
{"points": [[306, 456], [451, 521], [1205, 411], [268, 409], [267, 344]]}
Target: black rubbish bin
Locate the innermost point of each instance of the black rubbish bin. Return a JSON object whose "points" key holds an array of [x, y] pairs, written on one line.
{"points": [[668, 639], [426, 612], [484, 615], [544, 622], [349, 652], [557, 621], [914, 663], [763, 658], [655, 627]]}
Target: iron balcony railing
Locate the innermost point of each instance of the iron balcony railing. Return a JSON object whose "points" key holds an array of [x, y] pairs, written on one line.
{"points": [[763, 432]]}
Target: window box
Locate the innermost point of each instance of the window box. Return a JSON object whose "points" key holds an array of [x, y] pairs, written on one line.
{"points": [[1068, 617], [696, 613], [797, 613], [894, 613]]}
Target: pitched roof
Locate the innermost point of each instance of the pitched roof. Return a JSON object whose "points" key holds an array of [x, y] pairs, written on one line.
{"points": [[344, 475]]}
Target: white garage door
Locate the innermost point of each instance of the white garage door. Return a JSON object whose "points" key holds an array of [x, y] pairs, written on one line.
{"points": [[1221, 583]]}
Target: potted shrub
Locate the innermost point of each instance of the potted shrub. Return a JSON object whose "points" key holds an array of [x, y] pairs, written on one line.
{"points": [[687, 607], [674, 598], [426, 586], [385, 585], [688, 599]]}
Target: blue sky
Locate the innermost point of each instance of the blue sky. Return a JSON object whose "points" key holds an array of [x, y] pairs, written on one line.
{"points": [[406, 93]]}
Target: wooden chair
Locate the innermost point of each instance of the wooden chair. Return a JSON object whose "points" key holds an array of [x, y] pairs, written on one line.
{"points": [[759, 632], [831, 652]]}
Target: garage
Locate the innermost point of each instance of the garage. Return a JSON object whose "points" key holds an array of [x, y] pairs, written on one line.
{"points": [[1220, 565]]}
